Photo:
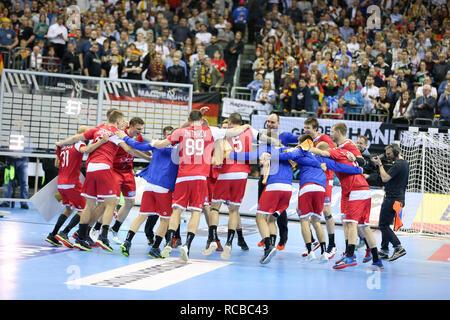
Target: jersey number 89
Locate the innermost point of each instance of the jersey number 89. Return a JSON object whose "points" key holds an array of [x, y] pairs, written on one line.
{"points": [[195, 147]]}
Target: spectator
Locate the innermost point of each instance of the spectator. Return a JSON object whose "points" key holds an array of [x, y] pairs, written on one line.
{"points": [[212, 47], [70, 61], [403, 108], [8, 38], [440, 68], [421, 74], [443, 85], [427, 81], [219, 63], [41, 28], [36, 59], [301, 98], [179, 55], [115, 68], [353, 100], [382, 104], [444, 105], [203, 35], [240, 16], [51, 62], [57, 36], [140, 43], [207, 77], [231, 54], [156, 70], [266, 98], [424, 106], [256, 84], [92, 62], [370, 93], [181, 32], [176, 73]]}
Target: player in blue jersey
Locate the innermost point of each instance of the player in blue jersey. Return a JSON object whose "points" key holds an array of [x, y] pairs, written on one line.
{"points": [[160, 175], [312, 186], [284, 138]]}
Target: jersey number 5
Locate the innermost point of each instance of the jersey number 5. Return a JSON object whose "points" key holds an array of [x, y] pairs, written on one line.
{"points": [[237, 144]]}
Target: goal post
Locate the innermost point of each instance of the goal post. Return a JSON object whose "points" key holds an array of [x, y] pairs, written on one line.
{"points": [[428, 155]]}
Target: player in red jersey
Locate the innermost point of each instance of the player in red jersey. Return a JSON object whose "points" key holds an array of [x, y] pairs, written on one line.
{"points": [[230, 188], [99, 177], [196, 143], [123, 169], [211, 182], [69, 159], [311, 126], [355, 201]]}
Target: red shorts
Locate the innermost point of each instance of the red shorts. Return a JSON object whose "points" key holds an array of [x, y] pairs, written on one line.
{"points": [[311, 200], [355, 207], [125, 183], [190, 193], [328, 192], [72, 197], [156, 200], [211, 183], [274, 198], [100, 184], [228, 190]]}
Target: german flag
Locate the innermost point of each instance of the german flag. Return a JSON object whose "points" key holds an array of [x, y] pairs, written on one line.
{"points": [[398, 208]]}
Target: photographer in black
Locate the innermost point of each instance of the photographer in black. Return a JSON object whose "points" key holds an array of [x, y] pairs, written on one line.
{"points": [[371, 172], [396, 180]]}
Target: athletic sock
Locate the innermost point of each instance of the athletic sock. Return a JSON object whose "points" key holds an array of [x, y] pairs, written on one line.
{"points": [[97, 226], [273, 239], [82, 231], [61, 219], [212, 233], [116, 226], [367, 245], [177, 233], [322, 247], [331, 240], [157, 242], [169, 236], [72, 223], [350, 250], [346, 246], [239, 233], [105, 230], [150, 224], [190, 236], [308, 247], [374, 254], [130, 236], [267, 242], [230, 237]]}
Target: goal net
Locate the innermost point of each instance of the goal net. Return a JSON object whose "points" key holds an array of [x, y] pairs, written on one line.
{"points": [[38, 109], [428, 155]]}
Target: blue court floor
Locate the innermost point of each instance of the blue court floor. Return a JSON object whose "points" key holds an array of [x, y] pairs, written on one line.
{"points": [[30, 268]]}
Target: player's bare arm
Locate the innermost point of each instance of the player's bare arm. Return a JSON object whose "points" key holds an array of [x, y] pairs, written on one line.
{"points": [[319, 152], [232, 132], [385, 177], [91, 147], [70, 140], [134, 152]]}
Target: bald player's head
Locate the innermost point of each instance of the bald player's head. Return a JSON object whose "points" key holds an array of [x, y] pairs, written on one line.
{"points": [[83, 129], [323, 146]]}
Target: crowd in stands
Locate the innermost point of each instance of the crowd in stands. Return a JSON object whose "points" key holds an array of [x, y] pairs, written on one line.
{"points": [[327, 57]]}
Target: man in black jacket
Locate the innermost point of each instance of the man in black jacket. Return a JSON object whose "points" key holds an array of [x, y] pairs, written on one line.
{"points": [[231, 54], [176, 73], [301, 98]]}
